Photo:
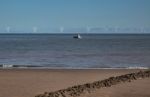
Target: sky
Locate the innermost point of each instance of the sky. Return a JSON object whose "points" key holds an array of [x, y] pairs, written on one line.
{"points": [[73, 15]]}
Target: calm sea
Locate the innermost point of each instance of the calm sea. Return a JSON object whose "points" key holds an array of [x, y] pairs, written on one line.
{"points": [[62, 51]]}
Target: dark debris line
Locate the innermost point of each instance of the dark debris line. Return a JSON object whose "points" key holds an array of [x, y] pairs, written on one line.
{"points": [[77, 90]]}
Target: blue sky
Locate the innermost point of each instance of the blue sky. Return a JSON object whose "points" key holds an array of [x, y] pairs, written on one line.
{"points": [[51, 15]]}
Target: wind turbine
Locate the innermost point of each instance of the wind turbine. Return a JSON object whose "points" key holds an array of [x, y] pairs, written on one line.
{"points": [[8, 29], [61, 29], [88, 29], [35, 29]]}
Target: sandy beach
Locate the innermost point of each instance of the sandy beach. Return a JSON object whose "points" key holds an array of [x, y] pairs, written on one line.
{"points": [[31, 82]]}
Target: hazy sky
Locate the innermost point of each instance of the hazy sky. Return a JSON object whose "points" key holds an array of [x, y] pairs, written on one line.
{"points": [[46, 14]]}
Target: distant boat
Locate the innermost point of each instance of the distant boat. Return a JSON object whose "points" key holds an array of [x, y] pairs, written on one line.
{"points": [[78, 36]]}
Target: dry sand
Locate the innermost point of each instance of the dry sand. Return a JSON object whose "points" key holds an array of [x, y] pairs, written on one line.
{"points": [[30, 82]]}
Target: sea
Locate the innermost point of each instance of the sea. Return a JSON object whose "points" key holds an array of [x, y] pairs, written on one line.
{"points": [[63, 51]]}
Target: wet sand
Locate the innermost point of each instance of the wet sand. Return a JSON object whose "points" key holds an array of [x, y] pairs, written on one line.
{"points": [[30, 82]]}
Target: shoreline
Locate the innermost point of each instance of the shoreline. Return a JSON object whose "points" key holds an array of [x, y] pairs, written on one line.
{"points": [[6, 66]]}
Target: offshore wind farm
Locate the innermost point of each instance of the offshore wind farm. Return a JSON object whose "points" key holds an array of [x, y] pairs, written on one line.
{"points": [[74, 48]]}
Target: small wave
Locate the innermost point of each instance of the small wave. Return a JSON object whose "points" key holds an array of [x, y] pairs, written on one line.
{"points": [[137, 68], [48, 67], [6, 66], [18, 66]]}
